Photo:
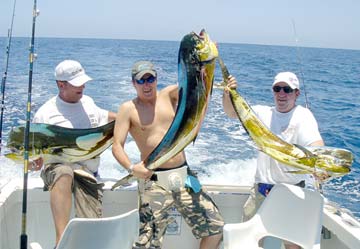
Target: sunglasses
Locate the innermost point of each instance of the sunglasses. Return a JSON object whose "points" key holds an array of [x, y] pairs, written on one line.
{"points": [[150, 79], [286, 89]]}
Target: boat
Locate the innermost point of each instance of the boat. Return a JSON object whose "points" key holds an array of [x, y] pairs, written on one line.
{"points": [[340, 230]]}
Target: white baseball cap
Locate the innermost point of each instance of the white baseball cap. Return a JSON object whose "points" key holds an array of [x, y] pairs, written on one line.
{"points": [[287, 77], [72, 72]]}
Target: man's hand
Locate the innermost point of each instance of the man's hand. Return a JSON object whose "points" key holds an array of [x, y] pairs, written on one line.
{"points": [[140, 171], [231, 84]]}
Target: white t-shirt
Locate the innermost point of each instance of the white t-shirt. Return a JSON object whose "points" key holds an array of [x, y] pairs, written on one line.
{"points": [[81, 115], [295, 127]]}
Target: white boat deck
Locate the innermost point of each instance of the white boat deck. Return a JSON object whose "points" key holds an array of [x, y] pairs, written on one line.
{"points": [[343, 231]]}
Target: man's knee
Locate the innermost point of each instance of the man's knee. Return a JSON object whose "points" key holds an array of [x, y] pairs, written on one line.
{"points": [[64, 182], [212, 241]]}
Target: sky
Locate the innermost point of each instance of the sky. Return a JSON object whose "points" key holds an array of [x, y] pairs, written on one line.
{"points": [[303, 23]]}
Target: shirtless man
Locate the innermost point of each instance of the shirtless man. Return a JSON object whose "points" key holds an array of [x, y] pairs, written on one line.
{"points": [[147, 118]]}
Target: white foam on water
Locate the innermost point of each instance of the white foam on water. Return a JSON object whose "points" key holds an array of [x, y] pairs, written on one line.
{"points": [[232, 172], [235, 172]]}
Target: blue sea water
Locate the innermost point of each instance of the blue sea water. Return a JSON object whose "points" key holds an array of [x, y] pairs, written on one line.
{"points": [[223, 152]]}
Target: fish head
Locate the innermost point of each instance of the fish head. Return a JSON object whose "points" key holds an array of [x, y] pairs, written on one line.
{"points": [[199, 53], [336, 165], [333, 162], [207, 49], [17, 154], [199, 48], [196, 67], [15, 145]]}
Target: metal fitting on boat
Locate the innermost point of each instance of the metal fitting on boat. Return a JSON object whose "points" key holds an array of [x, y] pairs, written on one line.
{"points": [[175, 182], [173, 179]]}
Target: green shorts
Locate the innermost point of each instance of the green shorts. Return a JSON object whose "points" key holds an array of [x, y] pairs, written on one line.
{"points": [[87, 191], [253, 203], [198, 210]]}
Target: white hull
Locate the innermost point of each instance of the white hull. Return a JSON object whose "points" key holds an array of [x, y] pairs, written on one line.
{"points": [[343, 229]]}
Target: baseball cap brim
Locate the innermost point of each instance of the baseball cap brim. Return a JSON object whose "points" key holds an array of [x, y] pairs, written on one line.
{"points": [[142, 73], [80, 80], [288, 78]]}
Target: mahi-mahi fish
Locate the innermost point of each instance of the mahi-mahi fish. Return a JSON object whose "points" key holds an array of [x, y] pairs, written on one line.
{"points": [[196, 66], [57, 144], [321, 161]]}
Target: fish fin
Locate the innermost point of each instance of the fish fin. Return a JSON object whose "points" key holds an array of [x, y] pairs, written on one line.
{"points": [[75, 152], [56, 150], [85, 174], [307, 152], [194, 140], [123, 182], [87, 142]]}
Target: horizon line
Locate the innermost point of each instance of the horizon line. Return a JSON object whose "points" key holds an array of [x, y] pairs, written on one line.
{"points": [[133, 39]]}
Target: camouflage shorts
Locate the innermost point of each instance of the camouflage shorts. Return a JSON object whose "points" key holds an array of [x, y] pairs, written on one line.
{"points": [[87, 191], [197, 209]]}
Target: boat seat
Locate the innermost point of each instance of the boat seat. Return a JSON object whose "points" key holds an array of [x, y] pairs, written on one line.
{"points": [[111, 232], [289, 212]]}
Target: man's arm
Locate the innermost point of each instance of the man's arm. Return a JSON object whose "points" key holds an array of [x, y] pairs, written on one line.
{"points": [[318, 143], [111, 116], [121, 129], [173, 92]]}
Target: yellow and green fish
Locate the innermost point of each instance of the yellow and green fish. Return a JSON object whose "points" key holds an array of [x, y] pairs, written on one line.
{"points": [[57, 144]]}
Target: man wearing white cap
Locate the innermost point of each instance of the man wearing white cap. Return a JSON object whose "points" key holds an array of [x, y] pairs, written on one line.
{"points": [[289, 121], [71, 109]]}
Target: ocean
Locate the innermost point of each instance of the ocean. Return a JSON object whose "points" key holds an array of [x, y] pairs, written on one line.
{"points": [[222, 152]]}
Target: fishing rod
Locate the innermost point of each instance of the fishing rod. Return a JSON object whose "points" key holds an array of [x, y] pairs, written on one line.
{"points": [[3, 81], [298, 56], [317, 182], [23, 236]]}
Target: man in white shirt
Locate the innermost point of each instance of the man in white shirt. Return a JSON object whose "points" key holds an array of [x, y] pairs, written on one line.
{"points": [[71, 109], [292, 123]]}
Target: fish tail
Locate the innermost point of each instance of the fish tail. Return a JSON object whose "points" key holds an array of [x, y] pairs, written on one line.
{"points": [[123, 182], [224, 71]]}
